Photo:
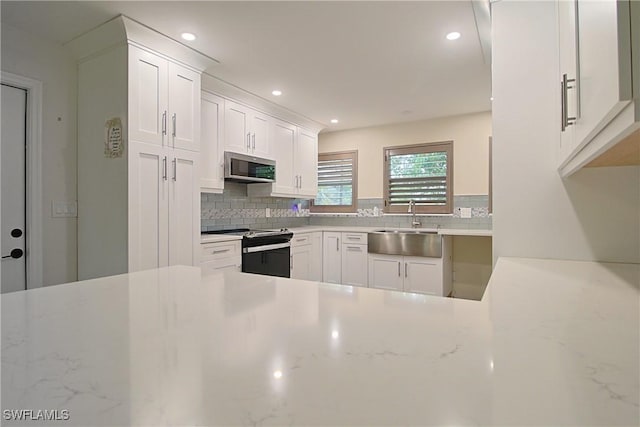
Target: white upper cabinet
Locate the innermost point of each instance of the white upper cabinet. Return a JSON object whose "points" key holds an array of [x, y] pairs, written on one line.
{"points": [[164, 101], [246, 130], [284, 142], [211, 150], [598, 108], [148, 97], [184, 105], [306, 163]]}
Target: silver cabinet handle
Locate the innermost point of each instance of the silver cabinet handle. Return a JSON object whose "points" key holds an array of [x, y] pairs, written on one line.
{"points": [[164, 168], [164, 122], [564, 108], [337, 244], [248, 141], [253, 137], [398, 268], [405, 269], [291, 260], [300, 186], [354, 248], [221, 251], [175, 169], [173, 118]]}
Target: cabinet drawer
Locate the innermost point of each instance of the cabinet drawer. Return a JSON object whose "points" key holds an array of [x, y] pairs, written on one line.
{"points": [[357, 238], [213, 251], [300, 240], [225, 264]]}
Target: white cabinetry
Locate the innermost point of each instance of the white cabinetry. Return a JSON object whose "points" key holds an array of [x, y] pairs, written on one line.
{"points": [[221, 256], [354, 259], [246, 130], [296, 153], [424, 275], [331, 257], [598, 105], [315, 268], [211, 149], [306, 256], [164, 100], [140, 208]]}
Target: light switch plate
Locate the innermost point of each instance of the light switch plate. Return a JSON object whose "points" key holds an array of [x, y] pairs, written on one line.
{"points": [[64, 209], [465, 212]]}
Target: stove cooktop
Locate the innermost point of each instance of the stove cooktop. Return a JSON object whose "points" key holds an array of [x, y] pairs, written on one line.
{"points": [[249, 233]]}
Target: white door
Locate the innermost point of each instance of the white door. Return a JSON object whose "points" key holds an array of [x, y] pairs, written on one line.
{"points": [[14, 103], [184, 107], [148, 207], [423, 275], [300, 262], [148, 102], [567, 32], [284, 138], [184, 209], [385, 272], [236, 135], [331, 258], [211, 151], [259, 128], [354, 265], [307, 163]]}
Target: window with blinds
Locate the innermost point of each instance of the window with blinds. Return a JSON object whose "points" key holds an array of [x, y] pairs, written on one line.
{"points": [[337, 182], [421, 173]]}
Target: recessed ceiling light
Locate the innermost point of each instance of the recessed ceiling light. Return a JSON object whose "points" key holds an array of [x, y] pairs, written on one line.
{"points": [[188, 36], [491, 99], [334, 121], [453, 35], [276, 92]]}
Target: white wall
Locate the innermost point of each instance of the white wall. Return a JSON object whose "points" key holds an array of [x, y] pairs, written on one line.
{"points": [[593, 215], [27, 55], [469, 133]]}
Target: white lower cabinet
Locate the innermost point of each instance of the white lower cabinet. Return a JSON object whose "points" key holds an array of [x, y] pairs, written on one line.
{"points": [[301, 262], [221, 256], [315, 268], [423, 275], [306, 256], [331, 257], [354, 263]]}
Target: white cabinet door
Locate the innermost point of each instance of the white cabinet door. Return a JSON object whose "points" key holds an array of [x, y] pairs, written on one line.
{"points": [[211, 150], [184, 208], [148, 99], [315, 268], [331, 258], [604, 52], [284, 140], [423, 275], [184, 107], [385, 272], [307, 163], [236, 130], [259, 128], [148, 207], [354, 264], [224, 264], [567, 32], [300, 262]]}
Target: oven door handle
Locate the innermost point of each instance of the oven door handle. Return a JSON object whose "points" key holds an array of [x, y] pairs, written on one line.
{"points": [[266, 247]]}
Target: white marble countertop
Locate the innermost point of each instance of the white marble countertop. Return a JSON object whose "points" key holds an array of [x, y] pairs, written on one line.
{"points": [[214, 238], [551, 343]]}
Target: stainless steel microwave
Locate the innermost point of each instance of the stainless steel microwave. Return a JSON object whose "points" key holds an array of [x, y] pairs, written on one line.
{"points": [[245, 168]]}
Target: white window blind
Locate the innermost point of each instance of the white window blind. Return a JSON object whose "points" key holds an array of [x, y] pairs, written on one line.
{"points": [[336, 182]]}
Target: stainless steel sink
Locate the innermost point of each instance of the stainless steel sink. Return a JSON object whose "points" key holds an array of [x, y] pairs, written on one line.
{"points": [[405, 242]]}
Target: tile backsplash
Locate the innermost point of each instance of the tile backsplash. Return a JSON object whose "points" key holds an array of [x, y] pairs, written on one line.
{"points": [[234, 209]]}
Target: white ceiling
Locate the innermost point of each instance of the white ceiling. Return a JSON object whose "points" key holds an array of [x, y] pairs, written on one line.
{"points": [[365, 63]]}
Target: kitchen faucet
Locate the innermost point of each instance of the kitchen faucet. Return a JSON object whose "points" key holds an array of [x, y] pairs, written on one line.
{"points": [[412, 211]]}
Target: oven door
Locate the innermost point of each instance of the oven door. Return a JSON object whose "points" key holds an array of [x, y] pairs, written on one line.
{"points": [[270, 259]]}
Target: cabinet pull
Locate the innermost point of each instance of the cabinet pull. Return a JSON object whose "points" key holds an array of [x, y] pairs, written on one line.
{"points": [[220, 251], [175, 169], [300, 186], [405, 270], [248, 141], [337, 244], [175, 126], [564, 108], [291, 261], [398, 268], [354, 248], [353, 237], [164, 168], [253, 137], [164, 122]]}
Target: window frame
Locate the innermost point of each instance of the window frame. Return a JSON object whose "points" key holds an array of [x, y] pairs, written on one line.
{"points": [[422, 148], [340, 155]]}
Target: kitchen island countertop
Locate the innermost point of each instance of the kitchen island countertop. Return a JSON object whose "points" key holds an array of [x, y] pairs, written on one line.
{"points": [[551, 343]]}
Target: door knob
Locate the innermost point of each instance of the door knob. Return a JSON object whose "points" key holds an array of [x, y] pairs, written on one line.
{"points": [[15, 253], [16, 232]]}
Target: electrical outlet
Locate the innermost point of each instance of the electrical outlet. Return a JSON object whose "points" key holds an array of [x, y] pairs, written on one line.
{"points": [[64, 209], [267, 212], [465, 212]]}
